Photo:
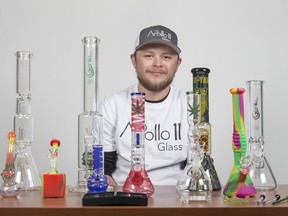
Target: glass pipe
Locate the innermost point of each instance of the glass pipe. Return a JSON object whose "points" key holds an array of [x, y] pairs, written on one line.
{"points": [[194, 184], [239, 183], [201, 86], [10, 188], [27, 174], [261, 172], [89, 116], [138, 180]]}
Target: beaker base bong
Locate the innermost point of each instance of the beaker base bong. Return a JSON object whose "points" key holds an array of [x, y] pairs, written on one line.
{"points": [[263, 178]]}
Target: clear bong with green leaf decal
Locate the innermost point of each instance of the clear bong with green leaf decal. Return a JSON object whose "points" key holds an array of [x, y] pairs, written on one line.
{"points": [[90, 120], [194, 184]]}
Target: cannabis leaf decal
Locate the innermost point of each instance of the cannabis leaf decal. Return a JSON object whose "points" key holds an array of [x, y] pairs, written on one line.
{"points": [[138, 108], [194, 110]]}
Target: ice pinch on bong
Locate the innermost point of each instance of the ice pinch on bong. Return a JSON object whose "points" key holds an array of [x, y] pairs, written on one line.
{"points": [[239, 183], [138, 180]]}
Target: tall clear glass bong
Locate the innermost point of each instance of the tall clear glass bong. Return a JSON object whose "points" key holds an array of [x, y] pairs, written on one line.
{"points": [[90, 119], [26, 171], [261, 172], [201, 85], [194, 184]]}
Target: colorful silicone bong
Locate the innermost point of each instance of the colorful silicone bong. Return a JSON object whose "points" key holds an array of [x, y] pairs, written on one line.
{"points": [[201, 86], [27, 174], [239, 183], [10, 188], [261, 172], [194, 184], [138, 180]]}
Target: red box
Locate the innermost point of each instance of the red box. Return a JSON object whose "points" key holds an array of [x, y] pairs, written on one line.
{"points": [[53, 185]]}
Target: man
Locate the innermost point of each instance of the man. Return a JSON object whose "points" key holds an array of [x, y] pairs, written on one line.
{"points": [[156, 60]]}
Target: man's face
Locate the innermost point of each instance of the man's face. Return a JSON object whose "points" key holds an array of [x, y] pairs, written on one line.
{"points": [[155, 66]]}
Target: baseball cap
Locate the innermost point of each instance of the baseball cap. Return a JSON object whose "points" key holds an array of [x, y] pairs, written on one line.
{"points": [[157, 35]]}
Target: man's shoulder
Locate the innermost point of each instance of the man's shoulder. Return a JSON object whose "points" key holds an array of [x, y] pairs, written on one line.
{"points": [[175, 90]]}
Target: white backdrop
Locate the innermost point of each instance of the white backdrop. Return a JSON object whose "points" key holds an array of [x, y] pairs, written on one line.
{"points": [[238, 40]]}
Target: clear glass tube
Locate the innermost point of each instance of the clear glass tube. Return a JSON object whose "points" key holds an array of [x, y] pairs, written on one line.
{"points": [[90, 117], [261, 172], [138, 179], [201, 86], [26, 170], [194, 184]]}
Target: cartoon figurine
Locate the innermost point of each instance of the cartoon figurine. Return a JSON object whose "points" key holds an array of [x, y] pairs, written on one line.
{"points": [[55, 144]]}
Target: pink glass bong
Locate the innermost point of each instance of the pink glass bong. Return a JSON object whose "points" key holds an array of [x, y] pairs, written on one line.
{"points": [[261, 172], [10, 188], [239, 184], [194, 184], [138, 180], [27, 174]]}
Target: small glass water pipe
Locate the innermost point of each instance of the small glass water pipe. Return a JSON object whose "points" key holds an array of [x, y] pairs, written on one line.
{"points": [[10, 188]]}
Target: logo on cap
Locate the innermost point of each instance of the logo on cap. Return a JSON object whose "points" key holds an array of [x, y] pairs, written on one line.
{"points": [[161, 34]]}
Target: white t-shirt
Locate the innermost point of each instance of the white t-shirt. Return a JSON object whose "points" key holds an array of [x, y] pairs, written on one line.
{"points": [[165, 136]]}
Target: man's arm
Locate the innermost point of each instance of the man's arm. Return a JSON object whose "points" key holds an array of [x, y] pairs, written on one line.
{"points": [[110, 159]]}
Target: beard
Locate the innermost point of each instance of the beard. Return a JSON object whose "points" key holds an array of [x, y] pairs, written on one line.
{"points": [[154, 87]]}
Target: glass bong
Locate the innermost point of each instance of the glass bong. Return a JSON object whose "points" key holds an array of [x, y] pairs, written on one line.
{"points": [[261, 172], [194, 184], [201, 86], [10, 188], [90, 117], [138, 180], [97, 181], [26, 171]]}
